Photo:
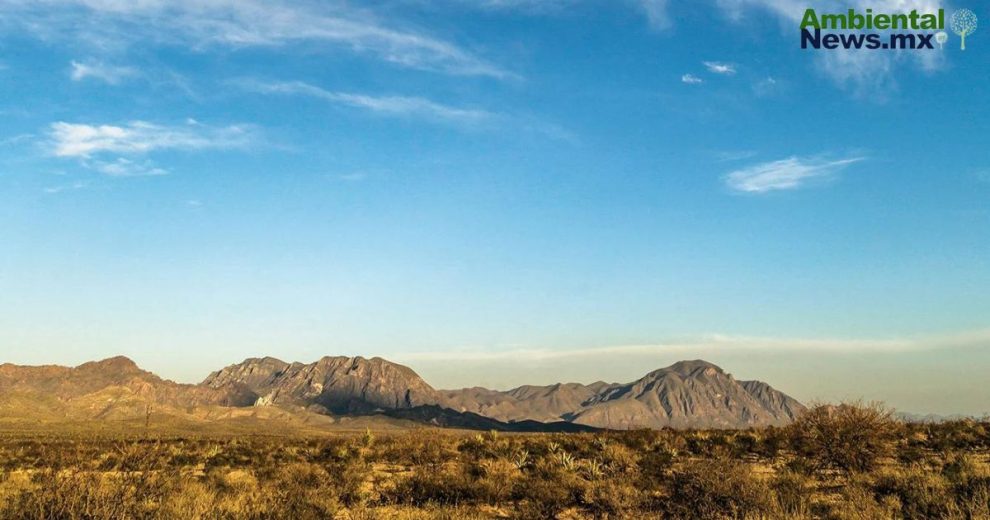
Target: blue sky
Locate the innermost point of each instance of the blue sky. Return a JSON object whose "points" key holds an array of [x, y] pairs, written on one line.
{"points": [[477, 187]]}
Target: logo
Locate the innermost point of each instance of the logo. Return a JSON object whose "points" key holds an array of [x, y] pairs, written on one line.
{"points": [[862, 30], [963, 23]]}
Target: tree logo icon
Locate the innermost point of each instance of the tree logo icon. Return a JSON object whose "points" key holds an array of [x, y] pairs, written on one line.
{"points": [[941, 37], [963, 23]]}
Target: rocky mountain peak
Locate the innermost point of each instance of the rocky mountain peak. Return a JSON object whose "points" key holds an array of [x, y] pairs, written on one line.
{"points": [[339, 384], [693, 368], [116, 364]]}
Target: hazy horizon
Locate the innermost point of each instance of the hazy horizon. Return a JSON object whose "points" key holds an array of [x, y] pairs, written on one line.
{"points": [[842, 370], [496, 193]]}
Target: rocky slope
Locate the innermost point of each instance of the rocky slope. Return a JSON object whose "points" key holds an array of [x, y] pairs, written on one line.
{"points": [[109, 389], [335, 384], [688, 394]]}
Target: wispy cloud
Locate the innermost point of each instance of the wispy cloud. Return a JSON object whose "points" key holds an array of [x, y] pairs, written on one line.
{"points": [[524, 6], [387, 105], [716, 342], [717, 67], [123, 167], [202, 23], [140, 137], [785, 174], [72, 186], [16, 139], [656, 12], [109, 74], [691, 79], [119, 150], [767, 86]]}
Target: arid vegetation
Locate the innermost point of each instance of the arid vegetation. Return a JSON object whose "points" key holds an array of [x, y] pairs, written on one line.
{"points": [[836, 462]]}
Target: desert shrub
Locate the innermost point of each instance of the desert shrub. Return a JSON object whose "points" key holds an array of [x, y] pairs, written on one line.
{"points": [[496, 480], [921, 493], [970, 483], [619, 461], [744, 443], [437, 487], [857, 502], [474, 447], [718, 488], [707, 444], [346, 468], [962, 435], [640, 440], [69, 494], [430, 450], [549, 488], [912, 449], [792, 493], [771, 441], [848, 437], [654, 465], [610, 498], [301, 490]]}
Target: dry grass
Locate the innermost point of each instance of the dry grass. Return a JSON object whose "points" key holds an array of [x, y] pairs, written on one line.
{"points": [[849, 462]]}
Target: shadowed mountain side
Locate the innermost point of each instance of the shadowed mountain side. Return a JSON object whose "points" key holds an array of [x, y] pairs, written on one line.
{"points": [[537, 403], [447, 418]]}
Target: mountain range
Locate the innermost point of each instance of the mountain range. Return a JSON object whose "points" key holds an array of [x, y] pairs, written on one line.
{"points": [[342, 390]]}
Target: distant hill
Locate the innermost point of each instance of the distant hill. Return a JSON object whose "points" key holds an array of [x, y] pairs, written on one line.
{"points": [[688, 394], [338, 385]]}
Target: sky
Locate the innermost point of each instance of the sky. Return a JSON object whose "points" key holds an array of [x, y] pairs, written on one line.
{"points": [[497, 192]]}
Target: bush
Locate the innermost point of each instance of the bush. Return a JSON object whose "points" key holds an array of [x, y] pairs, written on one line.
{"points": [[851, 437], [922, 494], [792, 493], [718, 488]]}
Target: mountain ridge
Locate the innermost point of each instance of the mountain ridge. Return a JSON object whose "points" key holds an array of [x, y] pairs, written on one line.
{"points": [[687, 394]]}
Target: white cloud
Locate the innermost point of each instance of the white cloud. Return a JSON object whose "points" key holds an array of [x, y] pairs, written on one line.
{"points": [[238, 23], [388, 105], [122, 167], [785, 174], [717, 67], [140, 137], [109, 74], [691, 79]]}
